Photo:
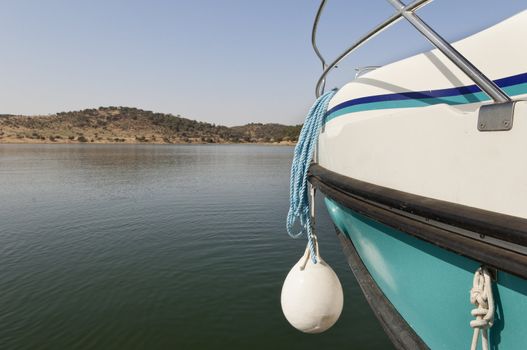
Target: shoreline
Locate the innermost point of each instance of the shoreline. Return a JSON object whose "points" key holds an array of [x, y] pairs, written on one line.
{"points": [[68, 142]]}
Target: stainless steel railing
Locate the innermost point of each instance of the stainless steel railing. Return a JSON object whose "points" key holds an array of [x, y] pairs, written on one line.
{"points": [[408, 12]]}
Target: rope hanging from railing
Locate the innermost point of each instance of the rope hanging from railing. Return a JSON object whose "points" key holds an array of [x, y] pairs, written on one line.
{"points": [[298, 191]]}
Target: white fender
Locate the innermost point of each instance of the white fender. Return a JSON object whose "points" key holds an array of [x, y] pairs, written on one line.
{"points": [[312, 297]]}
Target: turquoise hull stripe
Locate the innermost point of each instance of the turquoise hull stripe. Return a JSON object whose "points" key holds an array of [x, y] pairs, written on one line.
{"points": [[514, 90], [429, 286]]}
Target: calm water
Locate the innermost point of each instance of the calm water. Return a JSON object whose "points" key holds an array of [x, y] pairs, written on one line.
{"points": [[156, 247]]}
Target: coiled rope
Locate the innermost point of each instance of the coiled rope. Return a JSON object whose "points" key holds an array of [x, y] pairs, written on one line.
{"points": [[298, 190], [481, 297]]}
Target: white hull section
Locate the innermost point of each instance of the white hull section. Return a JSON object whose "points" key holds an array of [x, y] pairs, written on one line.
{"points": [[436, 150]]}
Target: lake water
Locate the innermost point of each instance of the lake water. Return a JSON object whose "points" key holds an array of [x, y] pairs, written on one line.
{"points": [[157, 247]]}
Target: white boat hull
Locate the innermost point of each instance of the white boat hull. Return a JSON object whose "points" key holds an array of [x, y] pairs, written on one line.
{"points": [[433, 148]]}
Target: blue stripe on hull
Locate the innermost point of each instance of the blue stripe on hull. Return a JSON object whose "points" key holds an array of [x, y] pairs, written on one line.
{"points": [[514, 85], [430, 286]]}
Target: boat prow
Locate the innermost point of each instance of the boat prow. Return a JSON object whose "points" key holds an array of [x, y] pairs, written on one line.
{"points": [[424, 174]]}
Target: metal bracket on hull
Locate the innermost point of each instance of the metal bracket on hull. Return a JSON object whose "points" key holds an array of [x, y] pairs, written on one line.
{"points": [[496, 116], [493, 272]]}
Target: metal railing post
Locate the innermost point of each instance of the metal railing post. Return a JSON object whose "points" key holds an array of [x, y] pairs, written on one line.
{"points": [[408, 12], [382, 26], [484, 83], [314, 39]]}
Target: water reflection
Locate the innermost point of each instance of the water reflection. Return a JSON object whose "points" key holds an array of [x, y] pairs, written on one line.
{"points": [[133, 247]]}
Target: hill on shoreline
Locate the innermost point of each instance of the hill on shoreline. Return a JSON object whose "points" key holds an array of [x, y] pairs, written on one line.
{"points": [[133, 125]]}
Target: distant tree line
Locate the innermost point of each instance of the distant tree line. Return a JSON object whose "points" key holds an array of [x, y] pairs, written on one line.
{"points": [[118, 124]]}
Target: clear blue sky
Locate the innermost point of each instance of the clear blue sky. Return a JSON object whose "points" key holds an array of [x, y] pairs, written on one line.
{"points": [[227, 62]]}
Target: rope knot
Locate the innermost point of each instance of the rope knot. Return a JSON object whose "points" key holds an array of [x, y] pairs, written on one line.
{"points": [[481, 297]]}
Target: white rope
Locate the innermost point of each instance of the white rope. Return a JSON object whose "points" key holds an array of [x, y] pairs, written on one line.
{"points": [[481, 297]]}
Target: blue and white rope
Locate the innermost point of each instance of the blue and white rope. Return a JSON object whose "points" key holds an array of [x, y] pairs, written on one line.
{"points": [[298, 191]]}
